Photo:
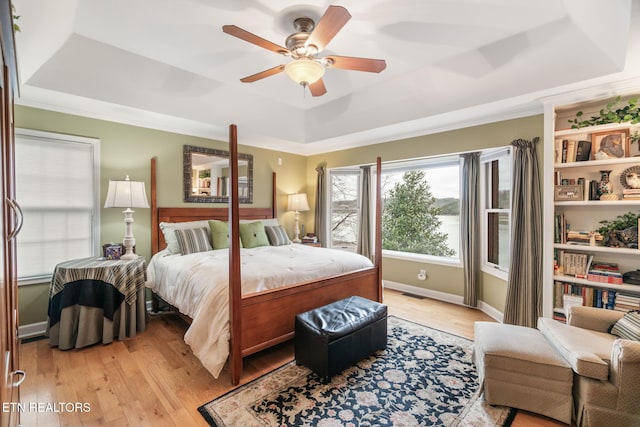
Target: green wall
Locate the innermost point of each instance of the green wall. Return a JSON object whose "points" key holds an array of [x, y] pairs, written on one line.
{"points": [[440, 277], [127, 150]]}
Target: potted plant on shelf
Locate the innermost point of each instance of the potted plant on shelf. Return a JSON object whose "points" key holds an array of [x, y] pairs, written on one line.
{"points": [[610, 114], [622, 232]]}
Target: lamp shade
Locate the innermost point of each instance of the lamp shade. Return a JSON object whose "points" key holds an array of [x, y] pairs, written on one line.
{"points": [[126, 194], [298, 202], [304, 71]]}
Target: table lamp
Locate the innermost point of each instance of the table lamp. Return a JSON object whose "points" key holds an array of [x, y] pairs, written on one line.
{"points": [[127, 194], [297, 202]]}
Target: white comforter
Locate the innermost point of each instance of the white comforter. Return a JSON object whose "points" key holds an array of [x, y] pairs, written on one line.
{"points": [[197, 284]]}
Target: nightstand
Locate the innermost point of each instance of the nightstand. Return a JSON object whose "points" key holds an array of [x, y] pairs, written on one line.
{"points": [[315, 244], [93, 300]]}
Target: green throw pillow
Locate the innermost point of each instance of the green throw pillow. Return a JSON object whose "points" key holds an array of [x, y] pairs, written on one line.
{"points": [[220, 234], [253, 235]]}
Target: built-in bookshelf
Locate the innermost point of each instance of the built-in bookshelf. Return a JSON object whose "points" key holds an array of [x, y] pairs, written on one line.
{"points": [[577, 209]]}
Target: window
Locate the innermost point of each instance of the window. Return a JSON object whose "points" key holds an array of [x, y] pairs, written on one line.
{"points": [[344, 193], [57, 187], [496, 181], [421, 211]]}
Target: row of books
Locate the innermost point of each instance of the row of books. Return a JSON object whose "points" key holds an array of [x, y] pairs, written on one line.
{"points": [[568, 150], [631, 193], [565, 235], [309, 239], [582, 265], [567, 294], [574, 264], [605, 272]]}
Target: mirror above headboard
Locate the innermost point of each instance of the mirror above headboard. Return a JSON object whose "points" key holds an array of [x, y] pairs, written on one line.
{"points": [[206, 175]]}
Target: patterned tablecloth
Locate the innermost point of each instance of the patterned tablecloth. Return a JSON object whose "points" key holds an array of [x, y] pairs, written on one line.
{"points": [[92, 300], [127, 276]]}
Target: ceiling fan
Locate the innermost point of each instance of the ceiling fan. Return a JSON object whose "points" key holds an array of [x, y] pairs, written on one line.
{"points": [[303, 47]]}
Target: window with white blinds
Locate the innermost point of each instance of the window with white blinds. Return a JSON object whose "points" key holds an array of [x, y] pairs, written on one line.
{"points": [[57, 187]]}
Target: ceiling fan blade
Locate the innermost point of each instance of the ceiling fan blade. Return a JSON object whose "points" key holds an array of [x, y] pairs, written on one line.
{"points": [[317, 88], [262, 74], [245, 35], [331, 22], [356, 64]]}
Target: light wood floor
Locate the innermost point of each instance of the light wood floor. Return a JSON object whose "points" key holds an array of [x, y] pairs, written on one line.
{"points": [[155, 380]]}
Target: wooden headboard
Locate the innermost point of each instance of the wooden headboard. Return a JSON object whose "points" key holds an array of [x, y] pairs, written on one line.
{"points": [[190, 213]]}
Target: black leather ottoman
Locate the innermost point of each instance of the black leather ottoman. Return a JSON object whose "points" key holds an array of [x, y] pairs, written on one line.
{"points": [[331, 338]]}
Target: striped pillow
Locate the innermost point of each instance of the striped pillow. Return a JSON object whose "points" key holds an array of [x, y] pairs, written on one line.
{"points": [[277, 236], [192, 240], [628, 327]]}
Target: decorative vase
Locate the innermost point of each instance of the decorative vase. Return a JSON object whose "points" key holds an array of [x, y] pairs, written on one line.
{"points": [[604, 185]]}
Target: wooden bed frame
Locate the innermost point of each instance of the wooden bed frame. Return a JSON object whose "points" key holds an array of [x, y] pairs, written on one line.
{"points": [[263, 319]]}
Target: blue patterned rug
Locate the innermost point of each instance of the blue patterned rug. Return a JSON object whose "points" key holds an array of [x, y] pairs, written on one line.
{"points": [[425, 377]]}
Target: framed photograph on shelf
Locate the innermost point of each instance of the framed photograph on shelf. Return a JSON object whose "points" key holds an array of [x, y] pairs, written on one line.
{"points": [[564, 193], [610, 145], [634, 144], [112, 250]]}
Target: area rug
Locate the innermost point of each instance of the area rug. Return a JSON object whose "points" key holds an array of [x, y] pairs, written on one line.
{"points": [[425, 377]]}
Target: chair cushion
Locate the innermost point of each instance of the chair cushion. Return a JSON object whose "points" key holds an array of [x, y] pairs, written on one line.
{"points": [[588, 352]]}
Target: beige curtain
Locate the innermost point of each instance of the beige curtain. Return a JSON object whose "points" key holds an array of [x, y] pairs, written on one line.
{"points": [[469, 227], [321, 209], [523, 303], [364, 216]]}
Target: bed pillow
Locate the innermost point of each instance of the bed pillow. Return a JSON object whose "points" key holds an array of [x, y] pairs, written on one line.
{"points": [[220, 234], [253, 235], [628, 326], [192, 240], [277, 236], [168, 229], [265, 221]]}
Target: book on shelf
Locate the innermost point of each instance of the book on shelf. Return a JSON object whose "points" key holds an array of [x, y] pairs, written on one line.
{"points": [[583, 151], [575, 237], [625, 302], [570, 150], [575, 264]]}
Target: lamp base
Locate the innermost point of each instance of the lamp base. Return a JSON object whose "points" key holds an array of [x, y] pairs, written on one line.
{"points": [[129, 256]]}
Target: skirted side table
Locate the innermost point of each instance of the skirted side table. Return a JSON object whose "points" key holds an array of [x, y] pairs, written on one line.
{"points": [[92, 301]]}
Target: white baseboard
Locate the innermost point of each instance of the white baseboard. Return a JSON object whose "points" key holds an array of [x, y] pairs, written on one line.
{"points": [[32, 330], [442, 296]]}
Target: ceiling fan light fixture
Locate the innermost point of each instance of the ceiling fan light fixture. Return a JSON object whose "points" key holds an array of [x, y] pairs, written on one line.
{"points": [[304, 71]]}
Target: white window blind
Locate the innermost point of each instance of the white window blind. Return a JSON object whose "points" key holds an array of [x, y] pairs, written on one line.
{"points": [[57, 187]]}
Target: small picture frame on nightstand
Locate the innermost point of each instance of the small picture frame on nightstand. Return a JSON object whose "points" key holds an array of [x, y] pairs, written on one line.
{"points": [[112, 251]]}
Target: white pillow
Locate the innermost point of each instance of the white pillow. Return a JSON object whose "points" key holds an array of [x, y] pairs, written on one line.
{"points": [[168, 229]]}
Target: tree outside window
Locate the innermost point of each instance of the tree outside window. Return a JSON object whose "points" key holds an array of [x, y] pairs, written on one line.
{"points": [[410, 219]]}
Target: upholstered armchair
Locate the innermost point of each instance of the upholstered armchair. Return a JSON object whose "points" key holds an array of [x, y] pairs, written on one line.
{"points": [[606, 388]]}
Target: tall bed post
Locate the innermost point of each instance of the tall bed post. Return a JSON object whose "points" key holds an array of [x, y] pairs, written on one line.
{"points": [[235, 285], [378, 226], [154, 206], [155, 303]]}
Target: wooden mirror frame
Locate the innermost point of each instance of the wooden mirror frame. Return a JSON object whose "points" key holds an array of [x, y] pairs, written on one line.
{"points": [[187, 161]]}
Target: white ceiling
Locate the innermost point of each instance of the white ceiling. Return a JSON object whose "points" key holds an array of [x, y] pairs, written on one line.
{"points": [[167, 64]]}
